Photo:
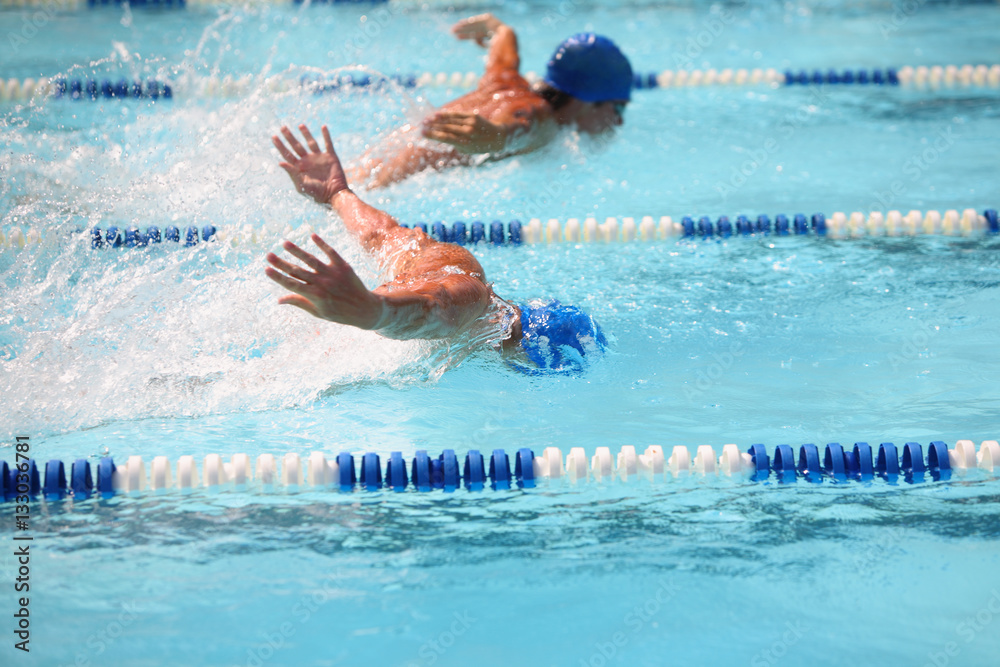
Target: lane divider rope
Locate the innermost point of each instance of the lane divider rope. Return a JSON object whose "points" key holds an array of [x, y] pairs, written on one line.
{"points": [[834, 463], [921, 78], [839, 225]]}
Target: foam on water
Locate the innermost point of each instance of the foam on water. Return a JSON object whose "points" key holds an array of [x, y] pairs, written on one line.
{"points": [[168, 331]]}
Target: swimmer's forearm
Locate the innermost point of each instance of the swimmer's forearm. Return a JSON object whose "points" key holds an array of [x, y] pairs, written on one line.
{"points": [[349, 205], [433, 310], [408, 315], [503, 53], [361, 219]]}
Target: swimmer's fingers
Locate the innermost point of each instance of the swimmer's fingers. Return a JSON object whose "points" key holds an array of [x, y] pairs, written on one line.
{"points": [[450, 133], [290, 269], [285, 153], [453, 117], [293, 142], [466, 29], [470, 34], [299, 302], [307, 135], [478, 27], [455, 127], [450, 127], [335, 258], [285, 281], [446, 137], [328, 140], [306, 258]]}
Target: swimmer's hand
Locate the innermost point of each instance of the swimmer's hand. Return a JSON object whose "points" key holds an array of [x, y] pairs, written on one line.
{"points": [[330, 291], [479, 28], [467, 132], [315, 173]]}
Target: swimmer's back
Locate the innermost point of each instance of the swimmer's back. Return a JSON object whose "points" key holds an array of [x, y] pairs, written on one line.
{"points": [[503, 96]]}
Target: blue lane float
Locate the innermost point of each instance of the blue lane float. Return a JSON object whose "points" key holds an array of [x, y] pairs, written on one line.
{"points": [[784, 463], [861, 77], [760, 461], [371, 472], [835, 462], [133, 237], [499, 470], [91, 89], [345, 466], [809, 467], [420, 471], [106, 469], [858, 462], [524, 468], [474, 471], [838, 465], [887, 464], [446, 473], [54, 487], [81, 482], [913, 459], [938, 460], [395, 472]]}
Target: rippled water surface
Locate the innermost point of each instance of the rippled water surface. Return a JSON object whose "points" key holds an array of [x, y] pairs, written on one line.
{"points": [[768, 340]]}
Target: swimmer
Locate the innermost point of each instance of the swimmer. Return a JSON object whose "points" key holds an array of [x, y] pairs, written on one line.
{"points": [[587, 85], [433, 289]]}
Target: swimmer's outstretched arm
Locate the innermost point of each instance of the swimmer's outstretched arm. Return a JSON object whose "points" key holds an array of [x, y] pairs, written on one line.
{"points": [[332, 291], [433, 301]]}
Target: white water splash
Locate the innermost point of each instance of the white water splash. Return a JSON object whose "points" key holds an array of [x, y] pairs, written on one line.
{"points": [[88, 336]]}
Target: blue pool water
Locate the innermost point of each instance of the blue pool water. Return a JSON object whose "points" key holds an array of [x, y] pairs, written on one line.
{"points": [[766, 339]]}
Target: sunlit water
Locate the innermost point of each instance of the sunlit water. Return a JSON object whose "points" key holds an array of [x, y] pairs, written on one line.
{"points": [[179, 351]]}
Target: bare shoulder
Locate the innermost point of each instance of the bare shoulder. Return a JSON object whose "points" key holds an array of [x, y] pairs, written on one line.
{"points": [[532, 107], [413, 254], [450, 258]]}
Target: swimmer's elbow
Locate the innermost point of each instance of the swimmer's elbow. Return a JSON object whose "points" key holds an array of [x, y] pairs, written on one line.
{"points": [[504, 54]]}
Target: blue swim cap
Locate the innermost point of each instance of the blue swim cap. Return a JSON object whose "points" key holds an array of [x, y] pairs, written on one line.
{"points": [[558, 337], [590, 68]]}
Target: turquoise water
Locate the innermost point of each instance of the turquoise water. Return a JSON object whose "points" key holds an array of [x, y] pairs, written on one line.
{"points": [[770, 340]]}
